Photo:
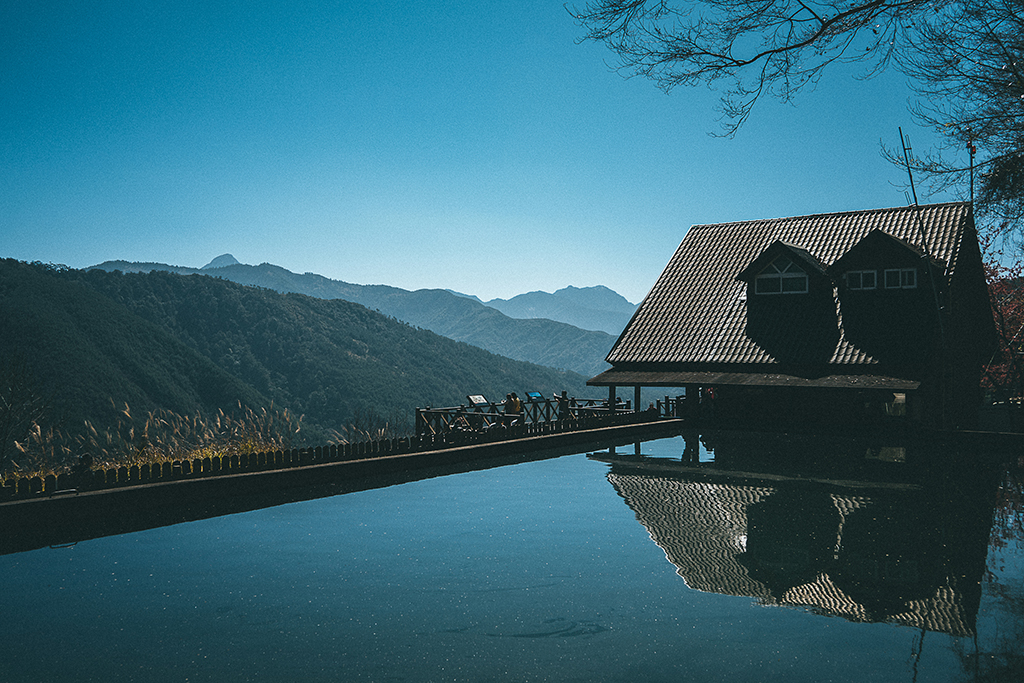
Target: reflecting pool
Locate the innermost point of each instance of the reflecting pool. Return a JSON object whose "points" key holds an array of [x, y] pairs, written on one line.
{"points": [[732, 563]]}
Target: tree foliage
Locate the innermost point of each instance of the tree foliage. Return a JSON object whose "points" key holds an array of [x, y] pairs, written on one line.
{"points": [[545, 342], [212, 350], [965, 60], [22, 404], [1003, 375], [969, 72]]}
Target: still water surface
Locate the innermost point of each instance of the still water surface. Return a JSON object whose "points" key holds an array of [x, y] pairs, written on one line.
{"points": [[566, 569]]}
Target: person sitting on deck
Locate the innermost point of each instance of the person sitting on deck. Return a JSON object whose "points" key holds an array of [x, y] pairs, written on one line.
{"points": [[513, 407], [563, 406]]}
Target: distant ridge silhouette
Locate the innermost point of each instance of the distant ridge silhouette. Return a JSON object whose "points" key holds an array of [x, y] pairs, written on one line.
{"points": [[221, 261], [535, 339]]}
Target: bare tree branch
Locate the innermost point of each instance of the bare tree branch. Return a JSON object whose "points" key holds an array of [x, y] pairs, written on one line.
{"points": [[964, 58]]}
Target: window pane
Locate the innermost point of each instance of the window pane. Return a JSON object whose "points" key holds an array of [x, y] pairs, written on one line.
{"points": [[908, 278], [768, 284], [853, 279], [795, 284]]}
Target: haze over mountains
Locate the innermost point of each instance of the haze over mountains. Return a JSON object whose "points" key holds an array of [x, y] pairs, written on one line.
{"points": [[542, 328], [589, 308], [95, 340], [198, 340]]}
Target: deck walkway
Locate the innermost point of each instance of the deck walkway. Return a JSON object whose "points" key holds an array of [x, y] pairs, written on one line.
{"points": [[41, 521]]}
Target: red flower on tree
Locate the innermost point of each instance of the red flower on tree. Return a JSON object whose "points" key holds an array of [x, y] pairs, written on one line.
{"points": [[1004, 372]]}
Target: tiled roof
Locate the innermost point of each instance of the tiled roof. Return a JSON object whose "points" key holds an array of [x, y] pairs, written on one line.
{"points": [[696, 311]]}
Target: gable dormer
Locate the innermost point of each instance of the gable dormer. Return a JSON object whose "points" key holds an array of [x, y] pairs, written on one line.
{"points": [[888, 308], [783, 268], [790, 305], [881, 263]]}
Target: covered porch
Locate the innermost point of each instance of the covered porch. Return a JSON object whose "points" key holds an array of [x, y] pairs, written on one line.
{"points": [[749, 398]]}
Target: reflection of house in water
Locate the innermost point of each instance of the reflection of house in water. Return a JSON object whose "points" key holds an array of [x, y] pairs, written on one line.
{"points": [[906, 554]]}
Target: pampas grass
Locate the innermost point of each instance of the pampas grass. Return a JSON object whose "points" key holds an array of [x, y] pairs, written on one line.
{"points": [[160, 436]]}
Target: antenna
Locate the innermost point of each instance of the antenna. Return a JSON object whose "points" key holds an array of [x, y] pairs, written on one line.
{"points": [[971, 150], [928, 266], [913, 190], [905, 144]]}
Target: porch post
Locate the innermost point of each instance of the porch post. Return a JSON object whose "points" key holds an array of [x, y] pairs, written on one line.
{"points": [[611, 399]]}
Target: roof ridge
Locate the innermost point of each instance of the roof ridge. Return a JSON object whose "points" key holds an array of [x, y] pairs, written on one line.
{"points": [[909, 207]]}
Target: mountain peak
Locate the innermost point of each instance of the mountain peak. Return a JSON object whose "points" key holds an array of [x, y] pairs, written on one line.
{"points": [[597, 297], [221, 261]]}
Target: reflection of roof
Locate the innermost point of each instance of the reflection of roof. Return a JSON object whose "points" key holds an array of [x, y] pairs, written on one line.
{"points": [[696, 313], [702, 528]]}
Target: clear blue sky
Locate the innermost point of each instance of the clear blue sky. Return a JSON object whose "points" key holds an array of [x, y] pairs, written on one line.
{"points": [[464, 145]]}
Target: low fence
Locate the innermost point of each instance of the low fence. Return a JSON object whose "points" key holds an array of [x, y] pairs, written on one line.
{"points": [[489, 416], [681, 406], [73, 482]]}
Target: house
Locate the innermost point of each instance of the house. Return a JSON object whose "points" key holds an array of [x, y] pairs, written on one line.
{"points": [[831, 318]]}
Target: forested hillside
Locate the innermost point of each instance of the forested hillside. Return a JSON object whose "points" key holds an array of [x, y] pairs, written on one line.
{"points": [[545, 342], [95, 340]]}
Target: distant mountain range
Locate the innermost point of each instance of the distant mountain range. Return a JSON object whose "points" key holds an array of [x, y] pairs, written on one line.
{"points": [[531, 327], [589, 308], [96, 340]]}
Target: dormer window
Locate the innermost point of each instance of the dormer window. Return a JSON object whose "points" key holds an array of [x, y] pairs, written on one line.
{"points": [[901, 278], [862, 279], [887, 256], [781, 277]]}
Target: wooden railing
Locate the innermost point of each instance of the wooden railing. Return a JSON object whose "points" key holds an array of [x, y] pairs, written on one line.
{"points": [[679, 406], [587, 415], [487, 416]]}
